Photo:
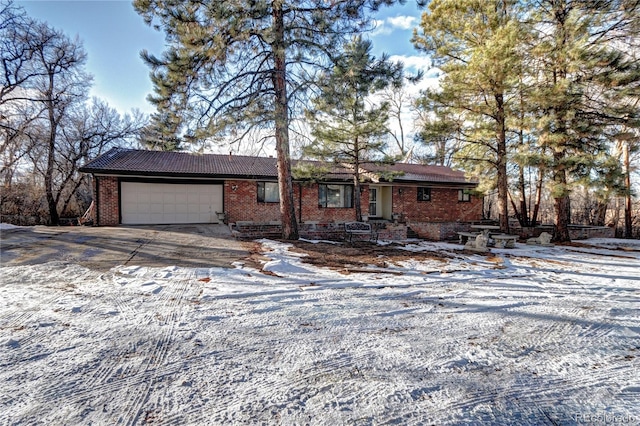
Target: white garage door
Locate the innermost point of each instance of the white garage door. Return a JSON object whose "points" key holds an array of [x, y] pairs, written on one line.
{"points": [[167, 203]]}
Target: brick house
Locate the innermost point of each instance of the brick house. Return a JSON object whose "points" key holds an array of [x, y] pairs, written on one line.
{"points": [[134, 187]]}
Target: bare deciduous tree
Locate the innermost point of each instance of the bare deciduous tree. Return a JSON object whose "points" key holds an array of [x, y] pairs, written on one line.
{"points": [[48, 127]]}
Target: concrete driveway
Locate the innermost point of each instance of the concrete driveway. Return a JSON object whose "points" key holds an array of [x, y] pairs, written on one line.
{"points": [[102, 248]]}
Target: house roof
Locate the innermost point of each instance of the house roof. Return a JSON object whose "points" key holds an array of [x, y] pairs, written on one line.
{"points": [[421, 173], [120, 161]]}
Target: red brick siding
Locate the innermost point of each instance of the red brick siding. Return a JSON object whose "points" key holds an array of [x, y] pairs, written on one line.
{"points": [[241, 204], [438, 231], [443, 207], [108, 209], [311, 211]]}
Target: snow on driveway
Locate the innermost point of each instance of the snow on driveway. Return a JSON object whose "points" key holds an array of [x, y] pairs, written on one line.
{"points": [[528, 336]]}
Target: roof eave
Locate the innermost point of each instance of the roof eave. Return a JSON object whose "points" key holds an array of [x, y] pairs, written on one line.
{"points": [[142, 173], [154, 174]]}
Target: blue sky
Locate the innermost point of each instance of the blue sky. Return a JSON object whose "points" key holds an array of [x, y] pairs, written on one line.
{"points": [[113, 36]]}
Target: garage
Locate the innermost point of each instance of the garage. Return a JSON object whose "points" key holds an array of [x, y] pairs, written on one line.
{"points": [[144, 203]]}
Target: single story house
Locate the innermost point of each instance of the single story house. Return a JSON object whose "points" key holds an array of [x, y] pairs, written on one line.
{"points": [[134, 187]]}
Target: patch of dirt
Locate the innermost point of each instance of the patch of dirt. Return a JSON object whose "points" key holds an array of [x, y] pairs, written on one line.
{"points": [[255, 259], [359, 255], [499, 261]]}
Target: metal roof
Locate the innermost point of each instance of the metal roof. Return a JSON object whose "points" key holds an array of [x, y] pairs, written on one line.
{"points": [[120, 161]]}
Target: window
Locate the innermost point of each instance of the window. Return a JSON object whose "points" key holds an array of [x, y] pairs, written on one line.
{"points": [[424, 194], [335, 196], [268, 192], [464, 195]]}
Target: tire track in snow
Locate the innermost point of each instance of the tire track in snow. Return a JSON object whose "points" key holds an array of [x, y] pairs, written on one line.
{"points": [[126, 369], [367, 355], [554, 385], [30, 330], [329, 380], [155, 361]]}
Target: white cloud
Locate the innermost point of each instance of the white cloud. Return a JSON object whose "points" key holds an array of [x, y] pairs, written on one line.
{"points": [[402, 22], [413, 62], [389, 25], [381, 28]]}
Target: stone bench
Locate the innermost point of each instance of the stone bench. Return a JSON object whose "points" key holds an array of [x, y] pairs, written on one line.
{"points": [[360, 228], [543, 240], [465, 236], [505, 241]]}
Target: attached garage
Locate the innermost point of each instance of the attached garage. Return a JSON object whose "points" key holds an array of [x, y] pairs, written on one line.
{"points": [[145, 203]]}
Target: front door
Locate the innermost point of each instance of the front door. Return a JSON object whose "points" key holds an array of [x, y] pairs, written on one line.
{"points": [[373, 202], [380, 202]]}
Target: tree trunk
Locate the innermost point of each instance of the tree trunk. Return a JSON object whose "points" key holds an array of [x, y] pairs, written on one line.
{"points": [[503, 189], [54, 218], [356, 197], [628, 223], [562, 202], [285, 182], [525, 220], [601, 213], [536, 207], [356, 182]]}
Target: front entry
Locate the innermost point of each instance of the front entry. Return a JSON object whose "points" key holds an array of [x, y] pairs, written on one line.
{"points": [[380, 205]]}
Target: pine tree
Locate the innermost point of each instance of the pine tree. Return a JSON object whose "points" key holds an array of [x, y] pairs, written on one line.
{"points": [[440, 129], [474, 43], [233, 65], [346, 125], [161, 133], [583, 73]]}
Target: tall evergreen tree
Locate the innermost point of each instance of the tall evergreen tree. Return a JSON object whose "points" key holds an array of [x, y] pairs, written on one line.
{"points": [[582, 75], [234, 65], [347, 126], [475, 42]]}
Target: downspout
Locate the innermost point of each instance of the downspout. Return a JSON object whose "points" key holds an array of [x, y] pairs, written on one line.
{"points": [[299, 202], [97, 186], [119, 201]]}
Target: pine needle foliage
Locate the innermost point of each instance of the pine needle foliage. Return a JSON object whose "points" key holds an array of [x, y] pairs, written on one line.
{"points": [[236, 65], [348, 127]]}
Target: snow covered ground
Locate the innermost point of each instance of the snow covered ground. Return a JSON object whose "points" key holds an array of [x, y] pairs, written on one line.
{"points": [[526, 336]]}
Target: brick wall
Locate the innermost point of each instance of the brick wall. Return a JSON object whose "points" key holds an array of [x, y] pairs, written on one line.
{"points": [[392, 232], [576, 232], [585, 232], [438, 219], [443, 207], [241, 204], [311, 211], [107, 211]]}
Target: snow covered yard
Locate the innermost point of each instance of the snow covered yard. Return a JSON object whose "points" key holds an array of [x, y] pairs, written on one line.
{"points": [[526, 336]]}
